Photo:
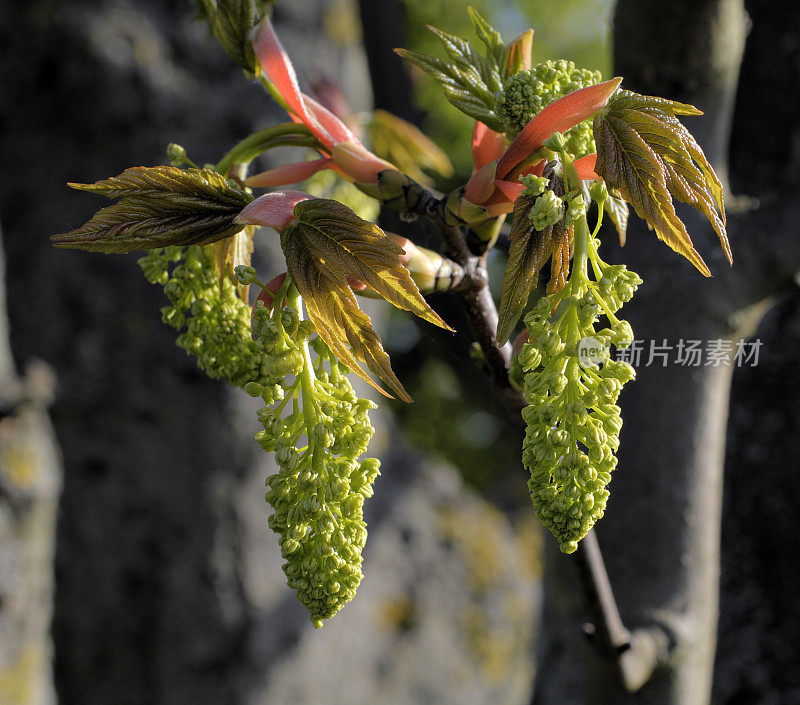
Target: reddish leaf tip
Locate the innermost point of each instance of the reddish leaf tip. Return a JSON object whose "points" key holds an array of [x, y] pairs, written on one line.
{"points": [[288, 173]]}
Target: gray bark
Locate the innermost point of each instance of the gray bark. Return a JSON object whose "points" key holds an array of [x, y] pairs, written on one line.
{"points": [[30, 479], [760, 615]]}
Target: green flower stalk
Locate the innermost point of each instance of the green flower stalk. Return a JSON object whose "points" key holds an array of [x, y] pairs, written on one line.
{"points": [[573, 421]]}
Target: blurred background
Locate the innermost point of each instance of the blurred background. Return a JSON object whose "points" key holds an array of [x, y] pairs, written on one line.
{"points": [[135, 562]]}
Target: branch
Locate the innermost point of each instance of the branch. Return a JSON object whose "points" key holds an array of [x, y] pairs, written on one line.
{"points": [[476, 298], [638, 653]]}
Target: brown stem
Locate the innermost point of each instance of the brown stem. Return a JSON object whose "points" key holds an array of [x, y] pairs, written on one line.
{"points": [[476, 298], [638, 652]]}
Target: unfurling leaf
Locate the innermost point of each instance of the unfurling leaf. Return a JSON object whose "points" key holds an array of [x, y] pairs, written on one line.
{"points": [[645, 153], [324, 246], [462, 86], [406, 146], [469, 80], [231, 252], [497, 53], [231, 22], [529, 251], [617, 210], [563, 244], [159, 206]]}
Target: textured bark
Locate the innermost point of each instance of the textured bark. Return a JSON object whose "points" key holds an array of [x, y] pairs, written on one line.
{"points": [[30, 479], [759, 611], [759, 622]]}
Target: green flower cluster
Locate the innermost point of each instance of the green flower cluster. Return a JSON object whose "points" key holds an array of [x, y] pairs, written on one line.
{"points": [[571, 386], [547, 210], [217, 321], [313, 420], [318, 494], [527, 93]]}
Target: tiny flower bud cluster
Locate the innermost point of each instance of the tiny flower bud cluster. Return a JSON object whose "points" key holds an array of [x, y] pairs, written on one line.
{"points": [[572, 419], [547, 210], [534, 185], [217, 321], [525, 94], [318, 494], [313, 421]]}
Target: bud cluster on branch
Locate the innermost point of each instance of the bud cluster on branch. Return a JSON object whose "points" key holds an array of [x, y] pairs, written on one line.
{"points": [[572, 419]]}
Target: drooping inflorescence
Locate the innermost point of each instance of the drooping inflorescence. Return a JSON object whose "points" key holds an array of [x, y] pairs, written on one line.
{"points": [[571, 386], [527, 93], [318, 493], [313, 421], [217, 321]]}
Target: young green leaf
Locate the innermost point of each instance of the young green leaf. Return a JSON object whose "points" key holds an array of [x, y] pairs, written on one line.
{"points": [[159, 206], [231, 22], [469, 80], [645, 153], [496, 50], [529, 251], [462, 86], [326, 245]]}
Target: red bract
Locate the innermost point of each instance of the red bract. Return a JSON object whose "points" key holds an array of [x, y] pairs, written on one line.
{"points": [[495, 184], [341, 149], [272, 210]]}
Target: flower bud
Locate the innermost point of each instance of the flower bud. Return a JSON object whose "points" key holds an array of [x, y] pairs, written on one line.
{"points": [[176, 154], [547, 210], [534, 185], [555, 142], [245, 274], [598, 191], [622, 334], [254, 389], [575, 208]]}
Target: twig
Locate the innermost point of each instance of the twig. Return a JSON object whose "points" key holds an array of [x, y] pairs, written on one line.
{"points": [[607, 626], [637, 653], [475, 295]]}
